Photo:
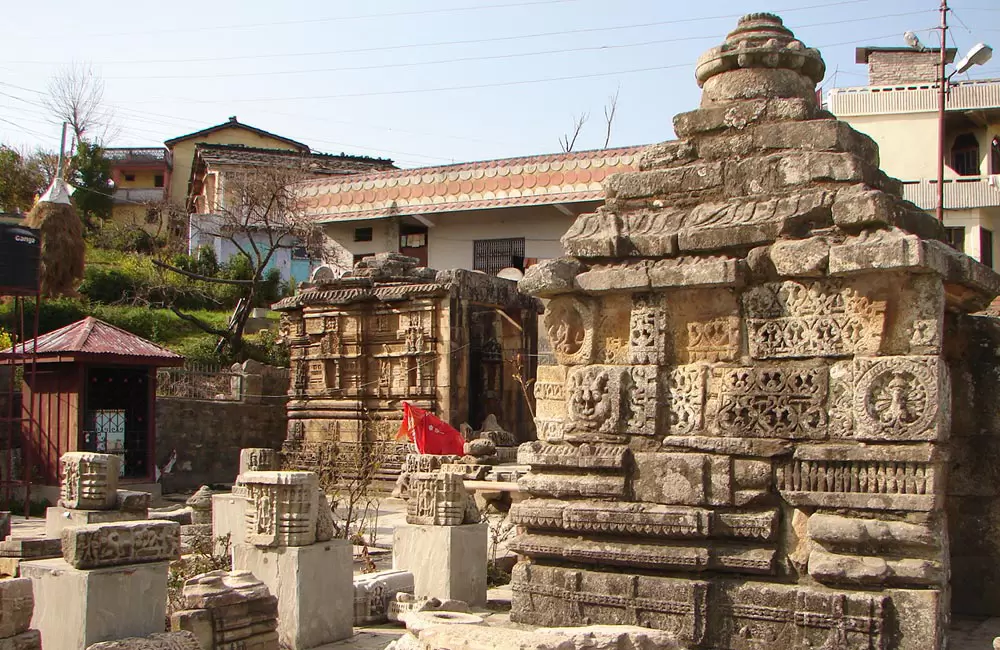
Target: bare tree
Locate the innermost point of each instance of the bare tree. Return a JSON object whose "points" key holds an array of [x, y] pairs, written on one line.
{"points": [[76, 96], [609, 115], [257, 214], [568, 141]]}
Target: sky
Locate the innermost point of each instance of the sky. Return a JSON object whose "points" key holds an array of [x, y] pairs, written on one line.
{"points": [[424, 83]]}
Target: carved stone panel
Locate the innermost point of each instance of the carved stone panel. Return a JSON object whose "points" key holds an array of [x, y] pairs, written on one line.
{"points": [[770, 402], [438, 499], [258, 459], [89, 480], [716, 339], [648, 324], [132, 542], [570, 324], [641, 400], [585, 456], [899, 398], [594, 398], [283, 508], [685, 399], [699, 479], [793, 319]]}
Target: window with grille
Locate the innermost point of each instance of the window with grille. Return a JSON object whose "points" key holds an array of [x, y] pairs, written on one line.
{"points": [[494, 255], [965, 155]]}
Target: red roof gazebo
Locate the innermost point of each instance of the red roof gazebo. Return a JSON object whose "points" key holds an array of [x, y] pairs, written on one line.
{"points": [[94, 390]]}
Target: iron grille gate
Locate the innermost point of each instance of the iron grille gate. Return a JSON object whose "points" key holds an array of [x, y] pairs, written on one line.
{"points": [[494, 255]]}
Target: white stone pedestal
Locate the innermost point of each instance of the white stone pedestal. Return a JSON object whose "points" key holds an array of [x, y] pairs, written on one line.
{"points": [[75, 608], [57, 518], [314, 585], [447, 562], [228, 518]]}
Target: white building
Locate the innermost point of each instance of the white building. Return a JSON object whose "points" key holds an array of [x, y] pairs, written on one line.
{"points": [[899, 111]]}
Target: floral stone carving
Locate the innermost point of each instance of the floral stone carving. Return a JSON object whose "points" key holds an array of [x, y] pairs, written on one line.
{"points": [[134, 542]]}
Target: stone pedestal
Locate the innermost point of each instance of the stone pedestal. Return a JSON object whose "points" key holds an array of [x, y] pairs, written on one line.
{"points": [[313, 585], [75, 608], [58, 517], [447, 562], [228, 518]]}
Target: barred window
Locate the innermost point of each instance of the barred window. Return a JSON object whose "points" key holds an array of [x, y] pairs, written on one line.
{"points": [[493, 255]]}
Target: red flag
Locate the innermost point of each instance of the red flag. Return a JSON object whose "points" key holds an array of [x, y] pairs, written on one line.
{"points": [[431, 434]]}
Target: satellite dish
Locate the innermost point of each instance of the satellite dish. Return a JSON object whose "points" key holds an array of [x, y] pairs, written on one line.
{"points": [[511, 273]]}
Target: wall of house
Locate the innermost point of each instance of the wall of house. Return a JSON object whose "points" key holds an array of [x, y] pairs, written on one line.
{"points": [[907, 143], [904, 67], [450, 240], [183, 154]]}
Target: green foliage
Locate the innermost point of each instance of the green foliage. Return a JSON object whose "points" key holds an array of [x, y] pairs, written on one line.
{"points": [[265, 343], [6, 340], [21, 179], [206, 263], [126, 238], [92, 178]]}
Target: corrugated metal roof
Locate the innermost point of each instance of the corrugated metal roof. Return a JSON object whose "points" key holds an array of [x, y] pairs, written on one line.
{"points": [[93, 336]]}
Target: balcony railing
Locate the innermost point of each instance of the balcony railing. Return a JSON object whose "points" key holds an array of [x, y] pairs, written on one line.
{"points": [[982, 94], [140, 195], [137, 155], [959, 193]]}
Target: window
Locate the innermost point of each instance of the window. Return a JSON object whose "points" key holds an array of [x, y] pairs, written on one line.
{"points": [[158, 180], [995, 156], [986, 247], [493, 255], [300, 253], [956, 237], [965, 155], [362, 234], [130, 177]]}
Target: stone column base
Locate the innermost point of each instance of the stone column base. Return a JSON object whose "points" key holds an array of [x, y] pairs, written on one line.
{"points": [[314, 585], [75, 608], [57, 518], [447, 562]]}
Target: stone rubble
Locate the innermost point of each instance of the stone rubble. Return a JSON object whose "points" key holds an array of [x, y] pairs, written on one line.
{"points": [[227, 610], [158, 641], [746, 437], [373, 593], [16, 608]]}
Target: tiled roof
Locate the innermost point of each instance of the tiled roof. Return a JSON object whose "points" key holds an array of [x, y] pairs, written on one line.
{"points": [[317, 163], [357, 294], [93, 336], [234, 123], [531, 180]]}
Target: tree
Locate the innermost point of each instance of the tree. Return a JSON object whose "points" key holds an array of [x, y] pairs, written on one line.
{"points": [[91, 176], [259, 216], [22, 178], [609, 115], [76, 96], [568, 141]]}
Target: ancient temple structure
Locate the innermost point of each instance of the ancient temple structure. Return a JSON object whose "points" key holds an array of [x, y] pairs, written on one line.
{"points": [[361, 345], [770, 424]]}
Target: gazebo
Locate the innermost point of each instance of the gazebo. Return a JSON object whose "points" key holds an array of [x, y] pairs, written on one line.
{"points": [[94, 389]]}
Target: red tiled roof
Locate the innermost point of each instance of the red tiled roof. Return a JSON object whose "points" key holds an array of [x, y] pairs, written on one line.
{"points": [[93, 336], [531, 180]]}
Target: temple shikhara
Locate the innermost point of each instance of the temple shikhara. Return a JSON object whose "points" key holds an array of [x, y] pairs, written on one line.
{"points": [[749, 438]]}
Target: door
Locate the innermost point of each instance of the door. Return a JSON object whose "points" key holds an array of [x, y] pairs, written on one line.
{"points": [[116, 418], [413, 242]]}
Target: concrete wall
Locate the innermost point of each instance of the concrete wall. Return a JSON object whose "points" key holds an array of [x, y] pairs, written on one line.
{"points": [[208, 436], [907, 144]]}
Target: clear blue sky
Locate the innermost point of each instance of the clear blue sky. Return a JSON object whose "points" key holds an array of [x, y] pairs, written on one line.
{"points": [[424, 83]]}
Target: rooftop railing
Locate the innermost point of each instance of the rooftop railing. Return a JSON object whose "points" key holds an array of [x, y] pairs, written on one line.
{"points": [[981, 94], [959, 193]]}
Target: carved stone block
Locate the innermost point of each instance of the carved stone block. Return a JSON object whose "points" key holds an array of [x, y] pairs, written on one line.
{"points": [[282, 509], [648, 343], [641, 400], [589, 456], [228, 609], [594, 398], [30, 640], [373, 593], [439, 499], [770, 402], [159, 641], [712, 340], [89, 480], [570, 324], [546, 595], [822, 318], [698, 479], [685, 399], [16, 606], [573, 485], [101, 545], [259, 459], [900, 398]]}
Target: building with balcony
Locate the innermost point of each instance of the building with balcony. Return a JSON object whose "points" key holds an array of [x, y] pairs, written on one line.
{"points": [[141, 175], [898, 109]]}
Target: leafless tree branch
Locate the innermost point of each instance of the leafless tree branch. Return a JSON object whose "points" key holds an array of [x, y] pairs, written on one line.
{"points": [[568, 141], [76, 96], [609, 115]]}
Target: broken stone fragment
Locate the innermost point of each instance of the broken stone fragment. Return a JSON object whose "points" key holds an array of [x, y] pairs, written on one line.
{"points": [[801, 257], [550, 277]]}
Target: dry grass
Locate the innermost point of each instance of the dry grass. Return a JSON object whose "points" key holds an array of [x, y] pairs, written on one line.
{"points": [[63, 248]]}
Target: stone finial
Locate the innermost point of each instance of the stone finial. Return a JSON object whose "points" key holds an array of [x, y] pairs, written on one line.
{"points": [[89, 480], [201, 505], [258, 459], [283, 508], [773, 62]]}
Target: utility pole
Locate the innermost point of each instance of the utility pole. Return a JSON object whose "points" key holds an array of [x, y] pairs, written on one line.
{"points": [[942, 94], [62, 152]]}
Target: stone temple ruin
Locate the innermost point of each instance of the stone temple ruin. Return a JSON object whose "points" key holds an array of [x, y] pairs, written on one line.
{"points": [[749, 437], [444, 341]]}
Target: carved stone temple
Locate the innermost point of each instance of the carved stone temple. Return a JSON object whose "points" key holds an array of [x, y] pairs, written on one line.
{"points": [[389, 332], [772, 424]]}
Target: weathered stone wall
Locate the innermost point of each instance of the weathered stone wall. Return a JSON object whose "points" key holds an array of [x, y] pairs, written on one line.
{"points": [[894, 68], [208, 435], [748, 437]]}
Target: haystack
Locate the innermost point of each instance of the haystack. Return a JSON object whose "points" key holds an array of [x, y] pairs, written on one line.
{"points": [[63, 248]]}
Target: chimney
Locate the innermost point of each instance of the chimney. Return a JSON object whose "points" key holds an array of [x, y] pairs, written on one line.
{"points": [[894, 66]]}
